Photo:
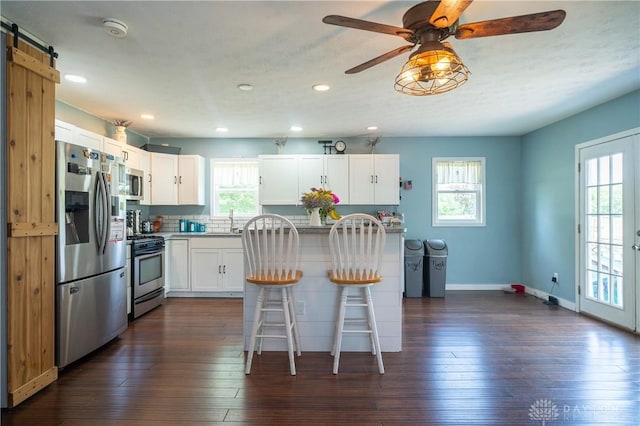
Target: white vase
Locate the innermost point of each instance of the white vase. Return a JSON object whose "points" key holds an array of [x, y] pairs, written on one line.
{"points": [[314, 219], [121, 135]]}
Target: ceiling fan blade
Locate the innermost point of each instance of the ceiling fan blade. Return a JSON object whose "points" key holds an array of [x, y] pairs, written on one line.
{"points": [[359, 24], [448, 12], [542, 21], [380, 59]]}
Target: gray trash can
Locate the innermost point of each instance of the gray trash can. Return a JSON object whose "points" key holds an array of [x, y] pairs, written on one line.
{"points": [[413, 261], [435, 267]]}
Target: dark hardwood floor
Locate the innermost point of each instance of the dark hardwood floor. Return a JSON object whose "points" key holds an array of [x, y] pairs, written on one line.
{"points": [[486, 358]]}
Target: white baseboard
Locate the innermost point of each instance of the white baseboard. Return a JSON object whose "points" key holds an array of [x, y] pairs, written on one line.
{"points": [[542, 295], [475, 286]]}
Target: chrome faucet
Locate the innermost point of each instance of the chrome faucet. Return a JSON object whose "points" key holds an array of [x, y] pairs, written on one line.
{"points": [[231, 217]]}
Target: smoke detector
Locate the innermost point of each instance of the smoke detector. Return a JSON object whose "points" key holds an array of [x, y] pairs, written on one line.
{"points": [[115, 28]]}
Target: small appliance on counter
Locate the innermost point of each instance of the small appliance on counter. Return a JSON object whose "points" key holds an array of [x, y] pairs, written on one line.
{"points": [[147, 227], [134, 224]]}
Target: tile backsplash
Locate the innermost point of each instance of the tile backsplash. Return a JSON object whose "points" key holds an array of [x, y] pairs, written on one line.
{"points": [[171, 222]]}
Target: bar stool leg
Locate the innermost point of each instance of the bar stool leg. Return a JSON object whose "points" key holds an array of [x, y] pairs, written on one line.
{"points": [[339, 329], [294, 321], [257, 320], [287, 326], [374, 330]]}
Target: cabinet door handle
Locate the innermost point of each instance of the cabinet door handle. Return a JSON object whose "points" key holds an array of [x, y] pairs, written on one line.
{"points": [[224, 269], [371, 178], [376, 178], [180, 180], [149, 177], [260, 180], [219, 270], [321, 180], [125, 155], [175, 179]]}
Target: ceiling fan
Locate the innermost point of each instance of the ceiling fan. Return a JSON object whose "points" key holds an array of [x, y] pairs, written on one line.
{"points": [[435, 67]]}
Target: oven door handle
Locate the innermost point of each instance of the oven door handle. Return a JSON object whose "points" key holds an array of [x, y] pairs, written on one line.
{"points": [[149, 296], [146, 256]]}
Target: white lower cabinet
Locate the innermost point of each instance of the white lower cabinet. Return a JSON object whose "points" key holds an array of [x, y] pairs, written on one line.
{"points": [[177, 265], [215, 267], [127, 268]]}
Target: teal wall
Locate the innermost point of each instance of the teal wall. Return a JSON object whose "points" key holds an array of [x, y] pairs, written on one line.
{"points": [[548, 190], [84, 120], [529, 233], [478, 255]]}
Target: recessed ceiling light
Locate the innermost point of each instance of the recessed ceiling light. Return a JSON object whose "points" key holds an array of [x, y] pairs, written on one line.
{"points": [[321, 87], [372, 128], [221, 129], [244, 86], [75, 78], [147, 116], [296, 129]]}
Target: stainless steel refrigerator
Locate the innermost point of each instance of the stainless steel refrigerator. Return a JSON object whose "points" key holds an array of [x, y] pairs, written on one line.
{"points": [[91, 293]]}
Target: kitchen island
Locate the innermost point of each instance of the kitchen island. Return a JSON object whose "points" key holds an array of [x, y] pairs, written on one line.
{"points": [[317, 301]]}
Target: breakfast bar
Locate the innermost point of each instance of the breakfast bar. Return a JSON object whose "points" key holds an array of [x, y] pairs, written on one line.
{"points": [[316, 298]]}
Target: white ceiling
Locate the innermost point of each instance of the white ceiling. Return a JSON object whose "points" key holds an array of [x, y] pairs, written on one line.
{"points": [[182, 62]]}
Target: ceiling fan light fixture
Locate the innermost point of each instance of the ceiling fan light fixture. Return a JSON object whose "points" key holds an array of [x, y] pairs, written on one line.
{"points": [[433, 69]]}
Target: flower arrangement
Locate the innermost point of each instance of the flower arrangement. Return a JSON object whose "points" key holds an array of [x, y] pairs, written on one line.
{"points": [[323, 199]]}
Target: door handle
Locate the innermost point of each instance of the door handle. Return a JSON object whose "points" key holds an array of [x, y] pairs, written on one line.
{"points": [[636, 247]]}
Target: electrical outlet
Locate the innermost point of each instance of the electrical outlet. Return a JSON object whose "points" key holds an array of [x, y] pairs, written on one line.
{"points": [[555, 278], [300, 307]]}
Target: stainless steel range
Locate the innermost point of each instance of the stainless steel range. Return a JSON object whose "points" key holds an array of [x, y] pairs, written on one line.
{"points": [[147, 273]]}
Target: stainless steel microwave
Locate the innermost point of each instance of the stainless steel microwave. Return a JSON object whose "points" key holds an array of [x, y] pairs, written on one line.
{"points": [[134, 184]]}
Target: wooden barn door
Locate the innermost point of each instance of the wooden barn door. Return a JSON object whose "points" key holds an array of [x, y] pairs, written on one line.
{"points": [[30, 198]]}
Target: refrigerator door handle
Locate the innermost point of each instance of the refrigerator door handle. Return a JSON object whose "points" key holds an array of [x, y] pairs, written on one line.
{"points": [[107, 215], [98, 215], [101, 192]]}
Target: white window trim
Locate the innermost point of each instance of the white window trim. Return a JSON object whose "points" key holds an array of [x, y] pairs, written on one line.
{"points": [[434, 195], [212, 163]]}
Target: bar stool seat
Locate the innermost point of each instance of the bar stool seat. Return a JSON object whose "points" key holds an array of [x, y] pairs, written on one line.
{"points": [[271, 245], [356, 244]]}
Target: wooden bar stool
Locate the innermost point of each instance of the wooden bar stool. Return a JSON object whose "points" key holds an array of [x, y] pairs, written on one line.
{"points": [[356, 244], [271, 245]]}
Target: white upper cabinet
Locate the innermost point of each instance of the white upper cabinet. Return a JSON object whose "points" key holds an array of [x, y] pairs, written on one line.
{"points": [[164, 179], [356, 179], [112, 146], [87, 139], [131, 156], [279, 180], [128, 153], [336, 176], [374, 179], [310, 172], [324, 171], [191, 179], [144, 161], [64, 131], [177, 179]]}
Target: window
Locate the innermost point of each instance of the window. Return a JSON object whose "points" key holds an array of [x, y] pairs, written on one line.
{"points": [[234, 185], [458, 195]]}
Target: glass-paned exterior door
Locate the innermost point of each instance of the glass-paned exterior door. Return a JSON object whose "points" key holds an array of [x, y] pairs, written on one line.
{"points": [[608, 227]]}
